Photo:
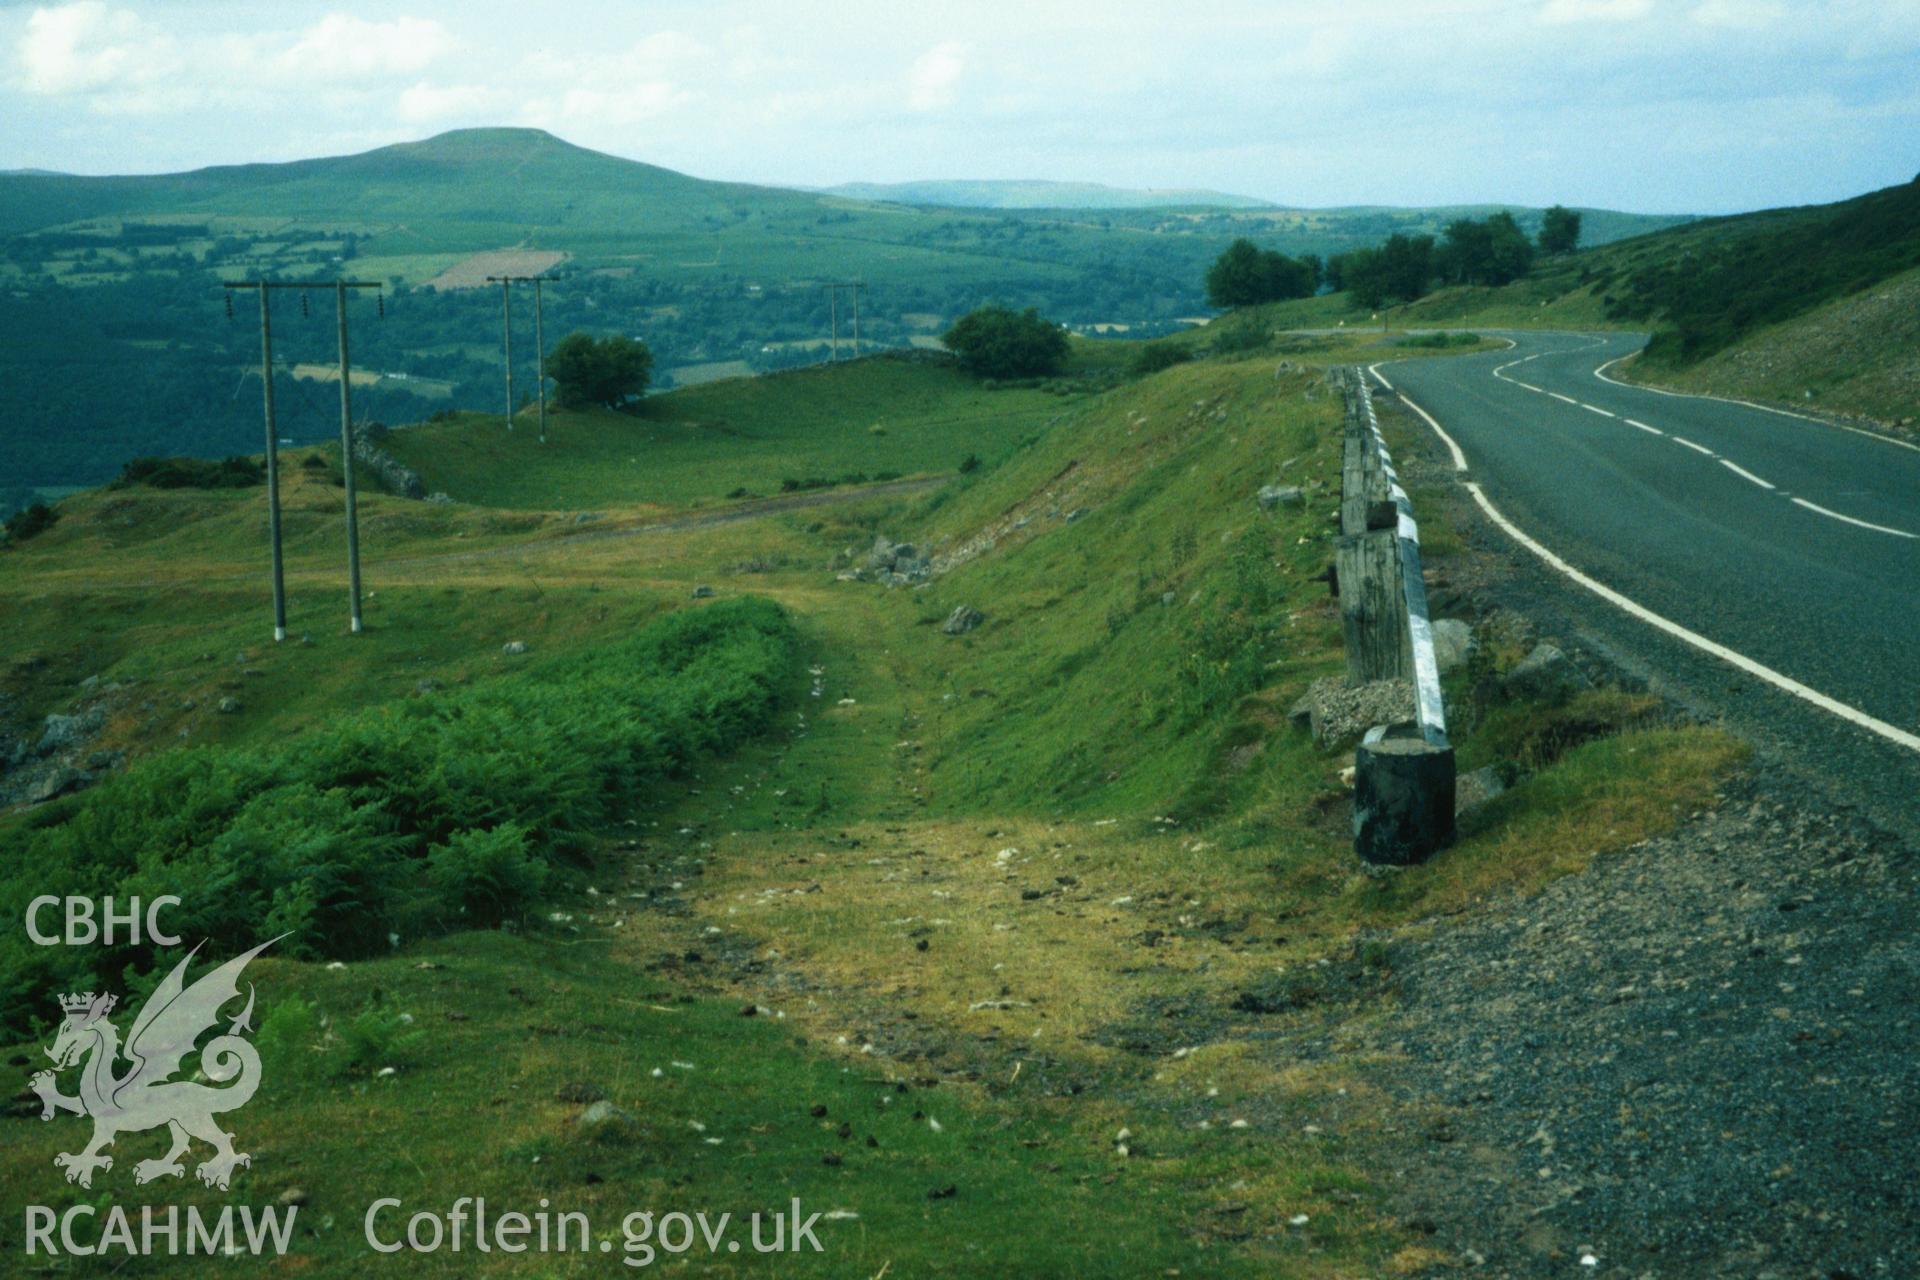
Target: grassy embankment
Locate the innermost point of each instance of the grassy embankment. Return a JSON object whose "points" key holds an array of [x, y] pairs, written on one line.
{"points": [[1810, 307], [1056, 877]]}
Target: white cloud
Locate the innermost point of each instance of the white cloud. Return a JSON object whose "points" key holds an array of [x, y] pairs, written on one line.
{"points": [[87, 47], [935, 75], [425, 103], [342, 46], [1595, 10]]}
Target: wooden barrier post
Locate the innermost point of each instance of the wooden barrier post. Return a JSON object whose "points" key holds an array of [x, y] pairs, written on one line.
{"points": [[1373, 619]]}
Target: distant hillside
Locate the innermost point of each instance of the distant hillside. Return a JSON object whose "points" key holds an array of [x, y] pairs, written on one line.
{"points": [[965, 193]]}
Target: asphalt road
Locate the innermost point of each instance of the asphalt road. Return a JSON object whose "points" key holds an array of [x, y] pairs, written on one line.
{"points": [[1792, 544]]}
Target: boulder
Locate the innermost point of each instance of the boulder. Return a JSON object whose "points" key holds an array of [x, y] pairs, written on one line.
{"points": [[229, 706], [1453, 644], [514, 647], [703, 592], [963, 619], [1545, 674], [65, 733], [1277, 495]]}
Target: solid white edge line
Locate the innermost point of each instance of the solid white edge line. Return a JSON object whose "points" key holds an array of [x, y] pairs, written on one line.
{"points": [[1453, 447], [1601, 373], [1787, 684], [1697, 448], [1835, 515], [1744, 474]]}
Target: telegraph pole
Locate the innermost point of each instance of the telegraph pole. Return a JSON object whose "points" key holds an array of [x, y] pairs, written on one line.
{"points": [[833, 310], [506, 339], [540, 358], [264, 288], [856, 287], [539, 342]]}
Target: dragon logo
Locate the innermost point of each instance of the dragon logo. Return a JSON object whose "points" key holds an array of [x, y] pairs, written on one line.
{"points": [[143, 1097]]}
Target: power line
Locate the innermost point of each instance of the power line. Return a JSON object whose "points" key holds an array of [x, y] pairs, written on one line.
{"points": [[265, 289], [539, 342]]}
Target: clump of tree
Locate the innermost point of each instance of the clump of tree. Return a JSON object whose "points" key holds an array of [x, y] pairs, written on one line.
{"points": [[608, 372], [999, 342], [1559, 230], [1156, 356], [30, 522], [1247, 275], [1398, 271], [1492, 250], [192, 473]]}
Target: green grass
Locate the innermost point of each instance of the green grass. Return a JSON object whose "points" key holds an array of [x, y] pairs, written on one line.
{"points": [[879, 417], [951, 849]]}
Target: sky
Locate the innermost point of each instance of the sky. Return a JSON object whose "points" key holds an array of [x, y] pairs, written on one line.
{"points": [[1670, 106]]}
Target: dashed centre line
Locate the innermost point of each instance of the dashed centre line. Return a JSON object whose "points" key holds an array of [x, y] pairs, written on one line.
{"points": [[1500, 372], [1744, 474], [1835, 515]]}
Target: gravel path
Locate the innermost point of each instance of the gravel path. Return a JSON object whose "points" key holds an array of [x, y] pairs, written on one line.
{"points": [[1697, 1058]]}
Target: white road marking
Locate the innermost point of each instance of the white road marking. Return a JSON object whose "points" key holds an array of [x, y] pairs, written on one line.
{"points": [[1632, 422], [1697, 448], [1453, 447], [1557, 396], [1601, 373], [1744, 474], [1529, 386], [1835, 515], [1734, 658], [1590, 408], [1788, 684]]}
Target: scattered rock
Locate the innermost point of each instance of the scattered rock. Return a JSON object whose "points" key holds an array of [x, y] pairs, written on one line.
{"points": [[1276, 495], [604, 1116], [963, 619], [65, 733], [229, 706], [1336, 712], [294, 1196], [1453, 644], [1471, 790], [703, 592], [514, 647], [1546, 674]]}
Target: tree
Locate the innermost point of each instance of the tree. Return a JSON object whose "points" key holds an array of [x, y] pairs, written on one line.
{"points": [[999, 342], [1559, 230], [1396, 271], [1494, 251], [1246, 276], [606, 371]]}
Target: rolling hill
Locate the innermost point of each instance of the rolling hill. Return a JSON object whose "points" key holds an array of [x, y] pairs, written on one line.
{"points": [[987, 193], [110, 287]]}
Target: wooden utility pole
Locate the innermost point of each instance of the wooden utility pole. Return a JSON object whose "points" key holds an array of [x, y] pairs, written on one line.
{"points": [[833, 310], [539, 342], [856, 288], [506, 341], [340, 287]]}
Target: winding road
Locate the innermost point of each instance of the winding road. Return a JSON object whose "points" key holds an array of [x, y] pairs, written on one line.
{"points": [[1784, 549]]}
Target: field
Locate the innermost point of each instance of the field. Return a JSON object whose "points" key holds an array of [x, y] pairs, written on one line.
{"points": [[471, 273], [913, 954]]}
